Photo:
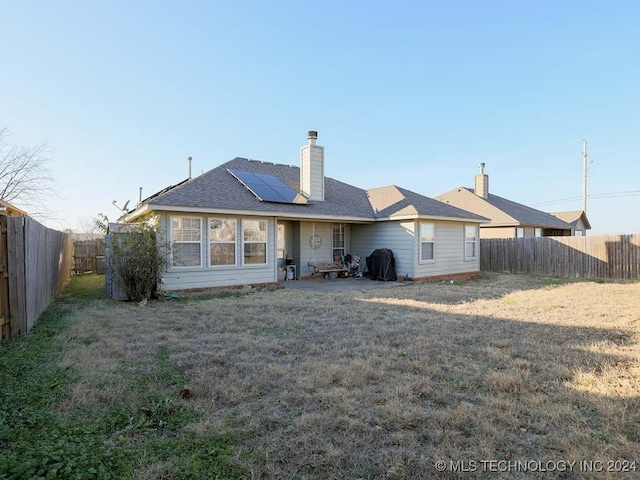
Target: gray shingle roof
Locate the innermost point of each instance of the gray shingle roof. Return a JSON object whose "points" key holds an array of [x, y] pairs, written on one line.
{"points": [[525, 215], [392, 200], [573, 217], [218, 189]]}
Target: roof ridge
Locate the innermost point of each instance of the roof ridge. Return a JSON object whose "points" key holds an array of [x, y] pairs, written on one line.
{"points": [[262, 161]]}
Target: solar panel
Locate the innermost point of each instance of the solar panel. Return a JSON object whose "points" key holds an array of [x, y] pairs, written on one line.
{"points": [[268, 188]]}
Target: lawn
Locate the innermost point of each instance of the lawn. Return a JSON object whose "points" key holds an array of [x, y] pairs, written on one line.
{"points": [[504, 376]]}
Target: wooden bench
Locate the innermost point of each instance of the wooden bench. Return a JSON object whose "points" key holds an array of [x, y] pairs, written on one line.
{"points": [[328, 270]]}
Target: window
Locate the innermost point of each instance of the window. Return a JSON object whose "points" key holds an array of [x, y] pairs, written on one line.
{"points": [[579, 233], [222, 241], [186, 241], [338, 240], [470, 241], [537, 232], [254, 236], [427, 242], [519, 232]]}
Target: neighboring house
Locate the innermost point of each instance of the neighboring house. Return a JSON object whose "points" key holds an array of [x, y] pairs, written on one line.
{"points": [[237, 223], [9, 210], [508, 219], [577, 219]]}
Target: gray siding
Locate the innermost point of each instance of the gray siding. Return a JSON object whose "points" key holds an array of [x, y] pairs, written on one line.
{"points": [[397, 236], [449, 252], [205, 276], [322, 254]]}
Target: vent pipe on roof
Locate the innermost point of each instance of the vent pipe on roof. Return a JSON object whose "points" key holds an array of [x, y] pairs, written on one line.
{"points": [[481, 187], [189, 167]]}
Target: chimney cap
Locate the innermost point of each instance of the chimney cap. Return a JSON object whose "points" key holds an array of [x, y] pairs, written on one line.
{"points": [[482, 165], [312, 134]]}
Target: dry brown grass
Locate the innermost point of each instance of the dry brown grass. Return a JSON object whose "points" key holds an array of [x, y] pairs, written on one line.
{"points": [[384, 383]]}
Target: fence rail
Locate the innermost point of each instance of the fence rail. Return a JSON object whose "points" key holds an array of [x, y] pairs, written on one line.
{"points": [[605, 256], [36, 263]]}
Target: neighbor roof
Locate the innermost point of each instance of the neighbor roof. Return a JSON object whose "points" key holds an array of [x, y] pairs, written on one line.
{"points": [[395, 201], [10, 210], [219, 190], [500, 210], [572, 218]]}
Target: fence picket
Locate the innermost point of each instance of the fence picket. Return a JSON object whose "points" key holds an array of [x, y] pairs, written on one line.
{"points": [[39, 263], [606, 256]]}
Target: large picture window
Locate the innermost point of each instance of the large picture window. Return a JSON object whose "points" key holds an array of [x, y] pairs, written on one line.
{"points": [[222, 241], [427, 242], [186, 241], [254, 240], [470, 242]]}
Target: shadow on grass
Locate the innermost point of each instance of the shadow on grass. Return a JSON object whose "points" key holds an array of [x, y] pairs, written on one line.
{"points": [[373, 389], [489, 285]]}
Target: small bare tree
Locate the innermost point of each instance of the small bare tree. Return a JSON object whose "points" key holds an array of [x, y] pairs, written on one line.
{"points": [[25, 180]]}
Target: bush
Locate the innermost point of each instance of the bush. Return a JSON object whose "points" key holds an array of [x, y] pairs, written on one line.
{"points": [[136, 259]]}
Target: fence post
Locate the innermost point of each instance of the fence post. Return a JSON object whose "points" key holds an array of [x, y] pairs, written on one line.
{"points": [[5, 326], [17, 276]]}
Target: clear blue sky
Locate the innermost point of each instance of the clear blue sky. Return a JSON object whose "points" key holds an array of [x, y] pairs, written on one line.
{"points": [[411, 93]]}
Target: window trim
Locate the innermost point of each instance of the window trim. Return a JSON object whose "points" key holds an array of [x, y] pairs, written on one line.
{"points": [[218, 242], [420, 243], [475, 241], [341, 237], [520, 229], [173, 241], [243, 222]]}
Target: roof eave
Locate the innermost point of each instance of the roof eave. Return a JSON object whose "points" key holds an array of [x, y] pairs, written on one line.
{"points": [[429, 217], [279, 214]]}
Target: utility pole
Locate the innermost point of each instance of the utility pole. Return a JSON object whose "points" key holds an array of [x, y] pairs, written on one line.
{"points": [[584, 175]]}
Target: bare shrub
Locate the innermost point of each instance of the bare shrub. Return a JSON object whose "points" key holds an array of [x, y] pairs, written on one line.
{"points": [[136, 259]]}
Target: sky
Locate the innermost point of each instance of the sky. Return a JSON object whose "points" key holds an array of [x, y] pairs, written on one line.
{"points": [[411, 93]]}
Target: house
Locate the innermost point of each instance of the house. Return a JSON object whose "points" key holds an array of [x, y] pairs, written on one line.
{"points": [[577, 219], [9, 210], [237, 223], [508, 219]]}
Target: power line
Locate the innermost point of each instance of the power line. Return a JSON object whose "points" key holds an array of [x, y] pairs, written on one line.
{"points": [[629, 193]]}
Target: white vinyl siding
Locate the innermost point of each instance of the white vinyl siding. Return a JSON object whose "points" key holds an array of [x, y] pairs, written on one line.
{"points": [[186, 241]]}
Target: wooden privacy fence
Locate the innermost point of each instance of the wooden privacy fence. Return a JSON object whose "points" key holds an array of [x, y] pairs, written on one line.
{"points": [[605, 256], [36, 264], [88, 256]]}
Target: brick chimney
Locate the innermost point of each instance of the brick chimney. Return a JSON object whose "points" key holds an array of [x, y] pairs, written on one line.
{"points": [[481, 187], [312, 168]]}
